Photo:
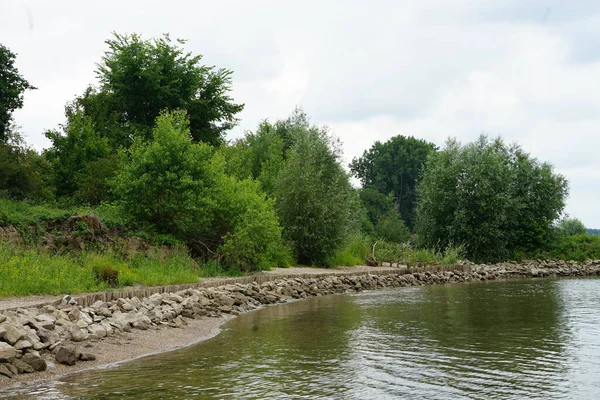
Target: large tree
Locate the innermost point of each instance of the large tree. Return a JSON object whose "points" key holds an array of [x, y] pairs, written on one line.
{"points": [[489, 197], [139, 78], [12, 87], [393, 168]]}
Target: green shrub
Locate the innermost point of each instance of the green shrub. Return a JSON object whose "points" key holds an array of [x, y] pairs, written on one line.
{"points": [[356, 251]]}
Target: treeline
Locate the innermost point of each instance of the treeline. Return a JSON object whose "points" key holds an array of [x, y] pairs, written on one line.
{"points": [[148, 142]]}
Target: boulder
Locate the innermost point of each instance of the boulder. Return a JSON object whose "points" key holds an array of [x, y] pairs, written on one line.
{"points": [[10, 333], [36, 362], [5, 371], [7, 352], [22, 367], [87, 357], [23, 345], [65, 355], [2, 318]]}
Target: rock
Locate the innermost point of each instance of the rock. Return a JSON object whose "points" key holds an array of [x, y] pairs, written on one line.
{"points": [[97, 331], [77, 334], [178, 322], [22, 367], [81, 324], [65, 355], [48, 336], [226, 300], [67, 300], [35, 361], [13, 370], [7, 352], [87, 357], [23, 345], [2, 318], [46, 321], [74, 314], [10, 333], [4, 371]]}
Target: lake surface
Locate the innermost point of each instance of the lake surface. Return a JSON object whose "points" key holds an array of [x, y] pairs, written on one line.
{"points": [[505, 340]]}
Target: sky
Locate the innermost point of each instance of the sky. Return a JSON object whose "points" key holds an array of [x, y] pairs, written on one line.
{"points": [[526, 70]]}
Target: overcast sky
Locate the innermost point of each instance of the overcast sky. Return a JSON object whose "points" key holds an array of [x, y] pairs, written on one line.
{"points": [[526, 70]]}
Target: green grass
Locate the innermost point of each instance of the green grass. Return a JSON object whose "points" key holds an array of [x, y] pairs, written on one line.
{"points": [[576, 247], [28, 272], [359, 248]]}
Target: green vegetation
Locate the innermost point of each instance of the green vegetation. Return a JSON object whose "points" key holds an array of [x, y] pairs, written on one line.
{"points": [[393, 168], [29, 271], [492, 198], [140, 186]]}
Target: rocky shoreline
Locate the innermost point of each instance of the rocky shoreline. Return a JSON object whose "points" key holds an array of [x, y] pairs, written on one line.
{"points": [[33, 338]]}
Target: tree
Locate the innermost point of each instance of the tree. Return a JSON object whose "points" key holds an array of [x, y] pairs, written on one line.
{"points": [[140, 78], [12, 87], [179, 187], [490, 197], [83, 161], [570, 227], [393, 168], [313, 196], [23, 172]]}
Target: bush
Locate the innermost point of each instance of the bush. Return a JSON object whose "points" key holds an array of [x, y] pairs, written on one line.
{"points": [[570, 227], [391, 228], [356, 251]]}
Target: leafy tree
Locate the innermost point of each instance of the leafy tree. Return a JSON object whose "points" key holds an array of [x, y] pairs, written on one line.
{"points": [[488, 196], [80, 157], [12, 87], [140, 78], [180, 187], [162, 182], [570, 227], [391, 228], [23, 172], [393, 168], [313, 196], [376, 203]]}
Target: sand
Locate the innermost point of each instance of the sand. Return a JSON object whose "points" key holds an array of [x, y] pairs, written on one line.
{"points": [[127, 346]]}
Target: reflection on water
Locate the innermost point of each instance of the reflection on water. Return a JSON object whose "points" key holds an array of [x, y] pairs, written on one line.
{"points": [[511, 340]]}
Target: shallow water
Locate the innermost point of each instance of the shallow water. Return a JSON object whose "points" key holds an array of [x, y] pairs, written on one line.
{"points": [[506, 340]]}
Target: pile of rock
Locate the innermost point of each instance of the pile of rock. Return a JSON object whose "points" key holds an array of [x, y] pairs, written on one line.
{"points": [[30, 337]]}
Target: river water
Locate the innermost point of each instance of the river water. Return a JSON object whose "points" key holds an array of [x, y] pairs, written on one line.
{"points": [[535, 339]]}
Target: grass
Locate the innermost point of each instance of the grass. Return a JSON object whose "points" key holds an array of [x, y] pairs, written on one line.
{"points": [[581, 247], [28, 272]]}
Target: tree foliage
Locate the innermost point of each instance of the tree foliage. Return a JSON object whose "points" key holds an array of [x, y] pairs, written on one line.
{"points": [[12, 88], [491, 197], [570, 227], [140, 78], [313, 197], [24, 174], [393, 168], [180, 187]]}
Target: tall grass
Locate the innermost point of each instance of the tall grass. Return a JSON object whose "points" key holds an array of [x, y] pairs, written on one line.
{"points": [[359, 249], [27, 272]]}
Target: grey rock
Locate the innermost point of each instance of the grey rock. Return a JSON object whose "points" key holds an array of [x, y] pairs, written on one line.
{"points": [[87, 357], [2, 318], [23, 345], [10, 333], [7, 352], [22, 367], [36, 362], [65, 355], [4, 371]]}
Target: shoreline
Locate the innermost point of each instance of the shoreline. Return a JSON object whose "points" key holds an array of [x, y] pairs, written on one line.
{"points": [[203, 311], [125, 347]]}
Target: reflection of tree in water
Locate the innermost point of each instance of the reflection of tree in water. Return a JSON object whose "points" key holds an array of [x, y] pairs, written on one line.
{"points": [[511, 332], [282, 347]]}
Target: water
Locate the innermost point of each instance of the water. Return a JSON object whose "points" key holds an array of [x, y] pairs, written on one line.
{"points": [[498, 340]]}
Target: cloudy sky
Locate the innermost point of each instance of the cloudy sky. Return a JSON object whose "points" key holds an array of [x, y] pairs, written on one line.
{"points": [[524, 69]]}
